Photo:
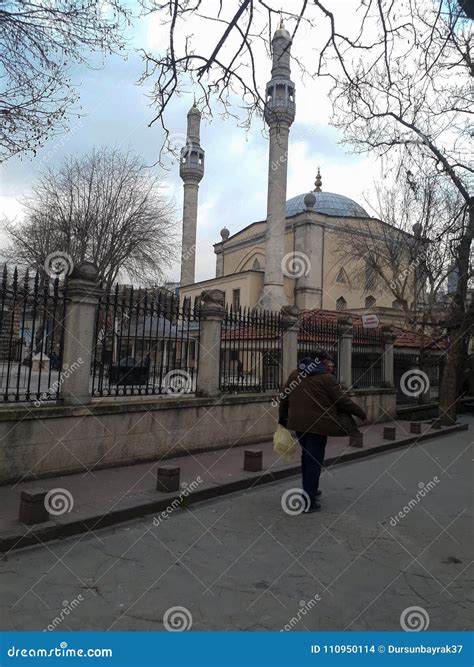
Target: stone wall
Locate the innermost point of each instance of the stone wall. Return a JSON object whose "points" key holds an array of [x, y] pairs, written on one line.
{"points": [[53, 440]]}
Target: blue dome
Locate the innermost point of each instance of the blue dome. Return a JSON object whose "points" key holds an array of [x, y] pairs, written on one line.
{"points": [[328, 203]]}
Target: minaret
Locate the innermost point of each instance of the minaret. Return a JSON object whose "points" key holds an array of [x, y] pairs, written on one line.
{"points": [[191, 170], [279, 115]]}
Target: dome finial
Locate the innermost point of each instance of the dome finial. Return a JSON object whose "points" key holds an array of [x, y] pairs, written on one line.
{"points": [[282, 25], [318, 182]]}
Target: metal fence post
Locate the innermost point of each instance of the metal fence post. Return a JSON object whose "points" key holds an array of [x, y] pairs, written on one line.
{"points": [[212, 312], [289, 340], [345, 351], [82, 297], [389, 339]]}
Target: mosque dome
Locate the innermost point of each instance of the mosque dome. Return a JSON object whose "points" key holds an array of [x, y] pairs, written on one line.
{"points": [[327, 203]]}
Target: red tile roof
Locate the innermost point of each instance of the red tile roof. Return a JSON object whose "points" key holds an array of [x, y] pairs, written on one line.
{"points": [[403, 337]]}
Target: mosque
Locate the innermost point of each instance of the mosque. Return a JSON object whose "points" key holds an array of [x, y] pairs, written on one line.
{"points": [[293, 256]]}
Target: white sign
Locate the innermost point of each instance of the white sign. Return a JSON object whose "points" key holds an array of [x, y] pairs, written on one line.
{"points": [[370, 321]]}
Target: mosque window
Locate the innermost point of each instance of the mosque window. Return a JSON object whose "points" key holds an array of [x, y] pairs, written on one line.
{"points": [[369, 275], [341, 276], [341, 303], [236, 299], [370, 302]]}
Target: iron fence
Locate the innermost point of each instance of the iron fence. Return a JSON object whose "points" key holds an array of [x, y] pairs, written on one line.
{"points": [[316, 334], [250, 351], [146, 342], [417, 376], [367, 358], [32, 311]]}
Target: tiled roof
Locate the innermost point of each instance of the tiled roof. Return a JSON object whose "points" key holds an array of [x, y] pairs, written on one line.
{"points": [[403, 337]]}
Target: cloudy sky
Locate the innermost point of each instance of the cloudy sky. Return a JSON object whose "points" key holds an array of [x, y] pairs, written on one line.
{"points": [[115, 111]]}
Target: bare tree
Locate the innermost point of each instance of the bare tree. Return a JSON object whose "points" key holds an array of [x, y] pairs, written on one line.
{"points": [[38, 42], [104, 207], [414, 103]]}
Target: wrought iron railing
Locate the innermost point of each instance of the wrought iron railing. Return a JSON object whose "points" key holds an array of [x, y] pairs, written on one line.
{"points": [[367, 358], [250, 351], [146, 342], [32, 307], [318, 334]]}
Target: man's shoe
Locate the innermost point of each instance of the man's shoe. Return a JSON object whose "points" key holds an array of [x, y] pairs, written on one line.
{"points": [[315, 506]]}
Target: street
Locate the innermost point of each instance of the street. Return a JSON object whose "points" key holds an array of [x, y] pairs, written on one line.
{"points": [[395, 533]]}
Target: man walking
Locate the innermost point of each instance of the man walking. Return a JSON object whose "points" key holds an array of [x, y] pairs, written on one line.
{"points": [[314, 406]]}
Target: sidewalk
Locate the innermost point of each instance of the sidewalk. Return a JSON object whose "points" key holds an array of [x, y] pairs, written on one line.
{"points": [[105, 497]]}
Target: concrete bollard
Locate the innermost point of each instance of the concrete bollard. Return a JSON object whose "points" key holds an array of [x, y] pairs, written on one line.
{"points": [[415, 427], [32, 507], [167, 479], [389, 432], [253, 460], [356, 440]]}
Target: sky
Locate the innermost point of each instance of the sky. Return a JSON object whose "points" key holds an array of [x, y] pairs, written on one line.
{"points": [[115, 111]]}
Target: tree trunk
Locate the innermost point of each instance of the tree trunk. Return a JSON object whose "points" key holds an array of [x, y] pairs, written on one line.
{"points": [[455, 357]]}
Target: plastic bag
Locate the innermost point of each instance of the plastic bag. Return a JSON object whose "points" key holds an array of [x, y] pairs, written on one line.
{"points": [[283, 443]]}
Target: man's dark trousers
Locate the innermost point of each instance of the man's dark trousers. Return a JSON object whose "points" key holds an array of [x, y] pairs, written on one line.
{"points": [[313, 447]]}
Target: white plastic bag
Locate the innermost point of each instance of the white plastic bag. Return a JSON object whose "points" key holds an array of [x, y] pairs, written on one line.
{"points": [[283, 443]]}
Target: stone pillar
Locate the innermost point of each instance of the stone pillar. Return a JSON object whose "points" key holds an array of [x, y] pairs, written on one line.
{"points": [[345, 351], [83, 293], [212, 313], [389, 339], [289, 352]]}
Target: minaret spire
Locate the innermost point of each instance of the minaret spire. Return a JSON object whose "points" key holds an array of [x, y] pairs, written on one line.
{"points": [[191, 170], [279, 115]]}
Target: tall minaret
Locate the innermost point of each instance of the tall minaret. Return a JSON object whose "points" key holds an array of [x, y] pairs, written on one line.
{"points": [[191, 170], [279, 115]]}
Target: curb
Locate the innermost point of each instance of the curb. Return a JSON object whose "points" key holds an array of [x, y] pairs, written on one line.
{"points": [[53, 530]]}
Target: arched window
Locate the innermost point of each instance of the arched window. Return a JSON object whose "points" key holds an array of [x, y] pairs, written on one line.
{"points": [[369, 274], [369, 301], [341, 303], [341, 276]]}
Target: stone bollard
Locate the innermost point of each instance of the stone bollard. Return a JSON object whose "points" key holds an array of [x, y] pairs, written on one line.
{"points": [[415, 427], [356, 440], [32, 507], [167, 479], [253, 460], [389, 432]]}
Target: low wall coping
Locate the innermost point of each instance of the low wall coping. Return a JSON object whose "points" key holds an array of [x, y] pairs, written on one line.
{"points": [[26, 411]]}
